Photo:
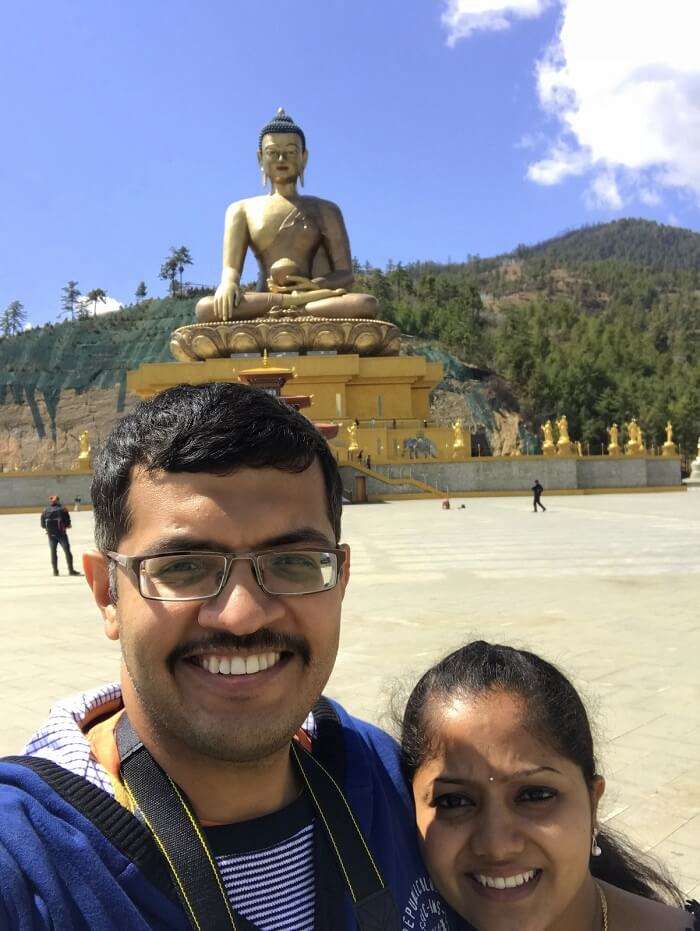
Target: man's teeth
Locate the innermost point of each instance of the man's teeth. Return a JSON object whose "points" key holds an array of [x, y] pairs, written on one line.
{"points": [[239, 665], [505, 882]]}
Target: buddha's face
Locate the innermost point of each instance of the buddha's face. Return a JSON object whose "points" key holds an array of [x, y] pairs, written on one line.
{"points": [[281, 157]]}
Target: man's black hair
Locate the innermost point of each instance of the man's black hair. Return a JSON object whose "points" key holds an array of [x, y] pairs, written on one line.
{"points": [[216, 428]]}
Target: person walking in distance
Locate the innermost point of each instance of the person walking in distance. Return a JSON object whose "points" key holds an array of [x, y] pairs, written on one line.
{"points": [[537, 490], [55, 520]]}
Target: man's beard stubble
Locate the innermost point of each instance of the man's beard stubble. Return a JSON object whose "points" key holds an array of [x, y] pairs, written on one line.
{"points": [[248, 740]]}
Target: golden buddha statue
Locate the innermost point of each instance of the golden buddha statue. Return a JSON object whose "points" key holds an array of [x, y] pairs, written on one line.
{"points": [[669, 448], [614, 444], [303, 301], [83, 463], [300, 243], [353, 445], [548, 447], [564, 444], [563, 428], [458, 445], [635, 441]]}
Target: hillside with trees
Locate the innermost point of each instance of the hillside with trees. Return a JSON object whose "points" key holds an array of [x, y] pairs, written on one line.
{"points": [[602, 324]]}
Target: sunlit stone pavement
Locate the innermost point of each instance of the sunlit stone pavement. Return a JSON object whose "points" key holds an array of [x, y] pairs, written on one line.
{"points": [[606, 586]]}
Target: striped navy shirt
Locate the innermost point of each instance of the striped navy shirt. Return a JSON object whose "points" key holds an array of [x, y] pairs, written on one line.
{"points": [[267, 864]]}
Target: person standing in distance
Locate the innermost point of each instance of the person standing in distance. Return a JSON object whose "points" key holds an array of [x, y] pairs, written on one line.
{"points": [[537, 490], [55, 520]]}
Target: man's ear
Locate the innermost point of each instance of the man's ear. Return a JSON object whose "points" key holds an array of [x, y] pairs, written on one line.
{"points": [[96, 569]]}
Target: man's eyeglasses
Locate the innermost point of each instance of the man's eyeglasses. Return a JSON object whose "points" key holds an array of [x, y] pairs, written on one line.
{"points": [[195, 576]]}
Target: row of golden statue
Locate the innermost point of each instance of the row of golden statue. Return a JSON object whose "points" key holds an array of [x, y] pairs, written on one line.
{"points": [[564, 445], [634, 446]]}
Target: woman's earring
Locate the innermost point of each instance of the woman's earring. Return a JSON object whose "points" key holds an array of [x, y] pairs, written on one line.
{"points": [[595, 849]]}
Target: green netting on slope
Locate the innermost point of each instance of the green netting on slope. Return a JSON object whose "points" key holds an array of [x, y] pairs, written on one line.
{"points": [[466, 379], [92, 353]]}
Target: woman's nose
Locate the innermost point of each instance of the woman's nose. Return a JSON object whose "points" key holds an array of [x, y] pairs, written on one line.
{"points": [[496, 836]]}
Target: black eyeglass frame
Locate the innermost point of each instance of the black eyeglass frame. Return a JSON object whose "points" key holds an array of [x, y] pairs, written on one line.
{"points": [[132, 566]]}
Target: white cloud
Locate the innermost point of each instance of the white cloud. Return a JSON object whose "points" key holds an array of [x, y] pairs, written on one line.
{"points": [[108, 306], [604, 191], [561, 162], [623, 81], [463, 17]]}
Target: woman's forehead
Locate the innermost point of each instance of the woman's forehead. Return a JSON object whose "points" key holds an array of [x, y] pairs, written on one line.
{"points": [[491, 729]]}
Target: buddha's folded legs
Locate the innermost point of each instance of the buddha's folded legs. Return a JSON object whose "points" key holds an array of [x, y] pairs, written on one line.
{"points": [[256, 304], [347, 306], [253, 304]]}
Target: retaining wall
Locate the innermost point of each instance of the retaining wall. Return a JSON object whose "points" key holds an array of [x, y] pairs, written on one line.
{"points": [[32, 489], [519, 473]]}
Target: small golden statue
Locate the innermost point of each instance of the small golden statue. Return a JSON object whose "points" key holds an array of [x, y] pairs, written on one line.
{"points": [[457, 438], [303, 253], [84, 461], [548, 448], [635, 439], [564, 446], [579, 449], [614, 444], [353, 446], [669, 448]]}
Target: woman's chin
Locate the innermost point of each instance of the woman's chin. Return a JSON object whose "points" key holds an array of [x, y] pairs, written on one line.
{"points": [[515, 908]]}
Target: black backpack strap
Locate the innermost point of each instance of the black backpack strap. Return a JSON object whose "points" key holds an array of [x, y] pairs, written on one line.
{"points": [[172, 822], [373, 903], [125, 832], [169, 816], [328, 743]]}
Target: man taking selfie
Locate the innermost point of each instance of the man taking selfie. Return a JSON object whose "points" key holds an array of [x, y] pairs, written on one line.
{"points": [[213, 787]]}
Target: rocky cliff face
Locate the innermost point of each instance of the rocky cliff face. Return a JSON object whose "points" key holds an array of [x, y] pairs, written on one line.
{"points": [[36, 438]]}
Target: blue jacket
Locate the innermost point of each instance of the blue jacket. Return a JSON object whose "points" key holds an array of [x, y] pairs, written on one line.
{"points": [[58, 871]]}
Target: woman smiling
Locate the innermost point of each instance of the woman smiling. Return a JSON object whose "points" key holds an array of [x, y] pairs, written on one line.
{"points": [[498, 749]]}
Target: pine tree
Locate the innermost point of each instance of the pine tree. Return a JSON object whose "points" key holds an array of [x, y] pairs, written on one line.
{"points": [[70, 294], [13, 318]]}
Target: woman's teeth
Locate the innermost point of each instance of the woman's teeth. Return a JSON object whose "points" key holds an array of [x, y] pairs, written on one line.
{"points": [[238, 665], [505, 882]]}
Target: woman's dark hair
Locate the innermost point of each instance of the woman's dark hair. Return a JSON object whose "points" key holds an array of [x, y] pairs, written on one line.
{"points": [[555, 715], [217, 428]]}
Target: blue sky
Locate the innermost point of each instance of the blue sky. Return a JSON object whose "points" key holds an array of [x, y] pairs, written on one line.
{"points": [[441, 127]]}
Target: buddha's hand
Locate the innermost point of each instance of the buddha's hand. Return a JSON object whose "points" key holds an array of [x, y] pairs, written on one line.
{"points": [[291, 283], [226, 299]]}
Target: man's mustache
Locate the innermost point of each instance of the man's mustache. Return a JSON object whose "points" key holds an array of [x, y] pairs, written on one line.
{"points": [[263, 641]]}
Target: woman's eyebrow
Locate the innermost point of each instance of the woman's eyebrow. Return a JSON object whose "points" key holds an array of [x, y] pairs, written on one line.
{"points": [[521, 774]]}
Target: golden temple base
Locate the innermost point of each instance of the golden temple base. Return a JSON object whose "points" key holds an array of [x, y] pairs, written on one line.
{"points": [[389, 396], [202, 341]]}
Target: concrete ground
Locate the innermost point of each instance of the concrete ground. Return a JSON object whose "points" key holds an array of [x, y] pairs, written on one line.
{"points": [[606, 586]]}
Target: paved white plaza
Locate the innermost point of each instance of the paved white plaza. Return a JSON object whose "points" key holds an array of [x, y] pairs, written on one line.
{"points": [[607, 586]]}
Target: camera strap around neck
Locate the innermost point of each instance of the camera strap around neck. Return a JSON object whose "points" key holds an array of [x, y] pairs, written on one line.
{"points": [[169, 816]]}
